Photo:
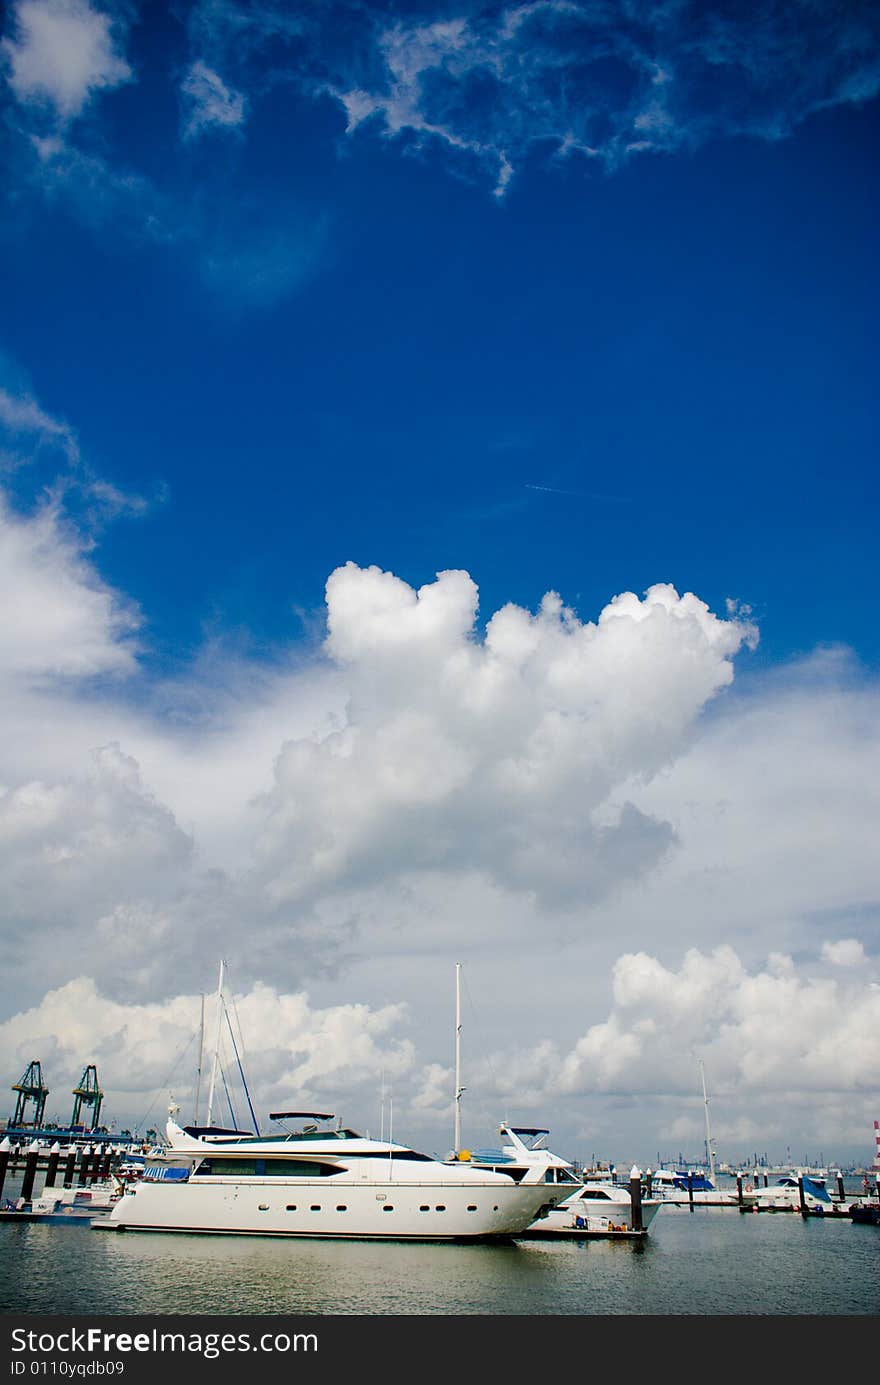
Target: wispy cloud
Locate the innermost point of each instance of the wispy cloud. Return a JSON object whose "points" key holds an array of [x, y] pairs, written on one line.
{"points": [[211, 104], [572, 76], [32, 440], [21, 417], [577, 495]]}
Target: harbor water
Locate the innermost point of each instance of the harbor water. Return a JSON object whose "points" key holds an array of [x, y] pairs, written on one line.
{"points": [[714, 1261]]}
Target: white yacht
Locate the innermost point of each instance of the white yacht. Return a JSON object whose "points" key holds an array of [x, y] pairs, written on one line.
{"points": [[327, 1181]]}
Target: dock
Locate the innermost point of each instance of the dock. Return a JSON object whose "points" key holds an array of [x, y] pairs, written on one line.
{"points": [[579, 1233]]}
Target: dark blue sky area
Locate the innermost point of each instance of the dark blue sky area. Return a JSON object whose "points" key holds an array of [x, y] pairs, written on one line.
{"points": [[324, 347]]}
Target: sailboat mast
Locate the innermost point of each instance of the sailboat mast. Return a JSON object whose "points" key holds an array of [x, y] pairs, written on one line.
{"points": [[710, 1152], [201, 1057], [458, 1087], [216, 1045]]}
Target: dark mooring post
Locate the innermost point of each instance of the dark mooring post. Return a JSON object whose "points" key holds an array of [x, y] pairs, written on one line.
{"points": [[801, 1196], [70, 1169], [690, 1189], [840, 1192], [30, 1171], [84, 1164], [739, 1189], [635, 1192], [52, 1166], [4, 1161], [649, 1183]]}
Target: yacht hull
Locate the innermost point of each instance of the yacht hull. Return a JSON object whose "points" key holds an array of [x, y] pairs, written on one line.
{"points": [[330, 1209]]}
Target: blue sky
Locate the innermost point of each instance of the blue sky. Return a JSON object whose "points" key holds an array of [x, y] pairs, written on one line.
{"points": [[346, 347], [568, 297]]}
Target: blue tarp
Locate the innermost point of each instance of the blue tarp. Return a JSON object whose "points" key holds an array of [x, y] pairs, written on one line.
{"points": [[817, 1189], [699, 1182], [158, 1173]]}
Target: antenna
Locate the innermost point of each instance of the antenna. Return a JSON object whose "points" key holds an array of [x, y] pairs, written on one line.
{"points": [[390, 1135], [458, 1087]]}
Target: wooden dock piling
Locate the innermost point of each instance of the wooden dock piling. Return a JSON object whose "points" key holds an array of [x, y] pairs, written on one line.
{"points": [[52, 1167], [635, 1190], [30, 1173]]}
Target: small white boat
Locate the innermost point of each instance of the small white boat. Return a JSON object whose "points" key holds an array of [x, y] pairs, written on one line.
{"points": [[785, 1195], [597, 1209], [671, 1185], [66, 1204]]}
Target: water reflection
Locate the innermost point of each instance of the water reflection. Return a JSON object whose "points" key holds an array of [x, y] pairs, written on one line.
{"points": [[708, 1262]]}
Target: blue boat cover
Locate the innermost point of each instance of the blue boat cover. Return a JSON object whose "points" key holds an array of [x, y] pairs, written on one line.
{"points": [[699, 1182], [157, 1173], [817, 1189]]}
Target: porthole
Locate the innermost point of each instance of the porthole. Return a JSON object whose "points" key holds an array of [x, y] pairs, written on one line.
{"points": [[424, 1207], [440, 1207], [387, 1207], [315, 1207], [291, 1207], [263, 1207], [341, 1207], [472, 1207]]}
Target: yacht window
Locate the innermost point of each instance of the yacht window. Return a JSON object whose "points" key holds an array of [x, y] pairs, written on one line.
{"points": [[387, 1207], [472, 1207], [341, 1207], [265, 1168], [424, 1207], [595, 1195], [440, 1207]]}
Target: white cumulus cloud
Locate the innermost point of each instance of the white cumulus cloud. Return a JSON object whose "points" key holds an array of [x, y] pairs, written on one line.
{"points": [[498, 754], [61, 53], [60, 618]]}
